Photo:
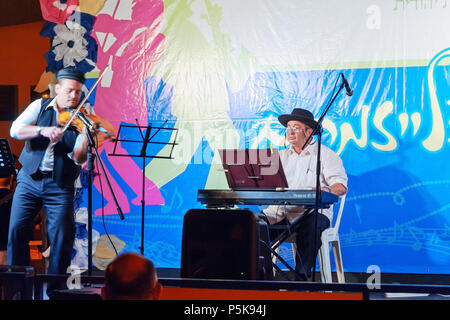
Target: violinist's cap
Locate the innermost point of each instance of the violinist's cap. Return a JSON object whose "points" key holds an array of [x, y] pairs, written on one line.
{"points": [[70, 73]]}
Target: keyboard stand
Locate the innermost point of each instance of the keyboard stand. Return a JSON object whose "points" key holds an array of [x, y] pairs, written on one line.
{"points": [[288, 232]]}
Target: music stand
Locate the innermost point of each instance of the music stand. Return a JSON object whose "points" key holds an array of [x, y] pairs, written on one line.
{"points": [[7, 166], [253, 169], [146, 141]]}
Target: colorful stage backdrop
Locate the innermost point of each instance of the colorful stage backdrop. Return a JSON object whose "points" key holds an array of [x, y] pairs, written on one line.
{"points": [[220, 72]]}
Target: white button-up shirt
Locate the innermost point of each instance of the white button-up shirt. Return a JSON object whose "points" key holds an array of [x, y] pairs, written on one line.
{"points": [[29, 117], [300, 171]]}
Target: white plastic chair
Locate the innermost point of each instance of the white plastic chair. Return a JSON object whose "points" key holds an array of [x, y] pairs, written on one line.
{"points": [[331, 235]]}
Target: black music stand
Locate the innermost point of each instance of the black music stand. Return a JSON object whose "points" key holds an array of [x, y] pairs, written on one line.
{"points": [[7, 166], [146, 141], [253, 169]]}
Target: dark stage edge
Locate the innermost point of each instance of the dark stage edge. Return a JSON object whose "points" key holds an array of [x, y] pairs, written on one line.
{"points": [[391, 286], [351, 277]]}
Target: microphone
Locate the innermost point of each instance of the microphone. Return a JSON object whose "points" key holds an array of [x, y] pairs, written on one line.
{"points": [[89, 123], [347, 86]]}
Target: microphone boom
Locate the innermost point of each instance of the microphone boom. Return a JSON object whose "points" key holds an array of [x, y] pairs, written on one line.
{"points": [[348, 90]]}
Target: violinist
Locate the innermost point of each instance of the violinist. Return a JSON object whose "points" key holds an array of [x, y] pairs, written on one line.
{"points": [[51, 161]]}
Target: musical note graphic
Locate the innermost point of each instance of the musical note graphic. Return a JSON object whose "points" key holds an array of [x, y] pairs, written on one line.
{"points": [[418, 235], [176, 202], [392, 239]]}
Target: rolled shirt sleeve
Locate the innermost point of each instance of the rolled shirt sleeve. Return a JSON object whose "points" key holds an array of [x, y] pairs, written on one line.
{"points": [[27, 117]]}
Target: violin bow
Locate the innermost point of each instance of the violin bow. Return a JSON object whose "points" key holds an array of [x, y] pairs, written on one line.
{"points": [[77, 110]]}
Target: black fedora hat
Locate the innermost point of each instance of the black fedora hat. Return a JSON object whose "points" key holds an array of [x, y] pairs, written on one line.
{"points": [[299, 114]]}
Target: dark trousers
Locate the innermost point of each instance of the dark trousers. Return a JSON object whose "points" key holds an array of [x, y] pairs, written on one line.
{"points": [[304, 238], [29, 197]]}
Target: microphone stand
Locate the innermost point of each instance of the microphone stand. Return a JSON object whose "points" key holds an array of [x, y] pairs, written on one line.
{"points": [[318, 130], [90, 169]]}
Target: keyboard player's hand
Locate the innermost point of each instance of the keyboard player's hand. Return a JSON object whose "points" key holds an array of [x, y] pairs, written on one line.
{"points": [[338, 189]]}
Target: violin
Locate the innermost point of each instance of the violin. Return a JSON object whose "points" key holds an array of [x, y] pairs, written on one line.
{"points": [[65, 116], [99, 125]]}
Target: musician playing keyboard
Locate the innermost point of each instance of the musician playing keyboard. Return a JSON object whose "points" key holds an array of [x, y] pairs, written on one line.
{"points": [[300, 169]]}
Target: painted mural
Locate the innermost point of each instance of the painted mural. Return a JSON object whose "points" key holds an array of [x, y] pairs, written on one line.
{"points": [[220, 73]]}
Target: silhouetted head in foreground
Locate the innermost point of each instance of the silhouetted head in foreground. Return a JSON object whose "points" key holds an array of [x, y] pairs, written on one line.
{"points": [[131, 276]]}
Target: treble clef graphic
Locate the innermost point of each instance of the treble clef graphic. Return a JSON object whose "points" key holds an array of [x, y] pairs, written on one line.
{"points": [[435, 140]]}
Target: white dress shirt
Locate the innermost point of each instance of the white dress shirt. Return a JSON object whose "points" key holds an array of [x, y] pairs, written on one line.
{"points": [[29, 117], [300, 171]]}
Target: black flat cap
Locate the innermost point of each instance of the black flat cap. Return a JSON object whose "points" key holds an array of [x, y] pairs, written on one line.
{"points": [[70, 73]]}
